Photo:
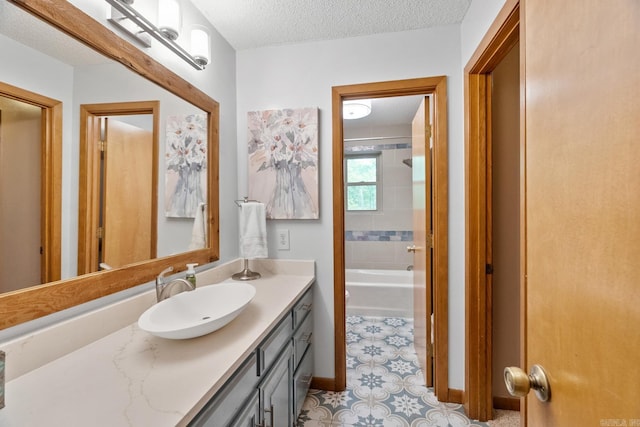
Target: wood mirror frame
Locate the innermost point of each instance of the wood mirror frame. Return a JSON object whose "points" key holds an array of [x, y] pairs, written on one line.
{"points": [[31, 303]]}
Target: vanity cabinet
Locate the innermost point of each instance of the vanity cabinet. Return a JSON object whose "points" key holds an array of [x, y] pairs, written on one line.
{"points": [[270, 386]]}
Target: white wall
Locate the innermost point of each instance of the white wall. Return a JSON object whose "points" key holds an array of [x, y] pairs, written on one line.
{"points": [[302, 75], [477, 21]]}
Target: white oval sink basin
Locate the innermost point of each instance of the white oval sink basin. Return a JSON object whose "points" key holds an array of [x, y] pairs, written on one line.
{"points": [[195, 313]]}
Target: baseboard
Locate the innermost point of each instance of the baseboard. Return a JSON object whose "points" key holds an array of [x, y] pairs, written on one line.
{"points": [[455, 396], [507, 403], [326, 384]]}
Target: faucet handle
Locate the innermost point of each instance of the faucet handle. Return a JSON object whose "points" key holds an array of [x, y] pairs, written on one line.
{"points": [[162, 273]]}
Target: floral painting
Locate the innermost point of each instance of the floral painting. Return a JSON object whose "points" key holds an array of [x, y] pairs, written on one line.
{"points": [[283, 162], [186, 165]]}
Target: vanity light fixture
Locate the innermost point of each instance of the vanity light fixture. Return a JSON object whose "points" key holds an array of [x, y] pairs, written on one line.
{"points": [[356, 109], [124, 16]]}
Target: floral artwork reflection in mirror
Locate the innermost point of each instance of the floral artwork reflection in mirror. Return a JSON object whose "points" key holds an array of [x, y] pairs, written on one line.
{"points": [[186, 165], [283, 161]]}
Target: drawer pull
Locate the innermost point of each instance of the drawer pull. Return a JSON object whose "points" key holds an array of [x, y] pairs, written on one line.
{"points": [[306, 307], [306, 380]]}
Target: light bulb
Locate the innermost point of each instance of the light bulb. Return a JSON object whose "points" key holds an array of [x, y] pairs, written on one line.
{"points": [[169, 18], [200, 46]]}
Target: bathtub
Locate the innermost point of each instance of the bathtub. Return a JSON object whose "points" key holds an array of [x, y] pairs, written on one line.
{"points": [[379, 292]]}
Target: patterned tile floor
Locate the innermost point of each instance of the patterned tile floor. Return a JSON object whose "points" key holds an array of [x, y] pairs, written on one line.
{"points": [[385, 386]]}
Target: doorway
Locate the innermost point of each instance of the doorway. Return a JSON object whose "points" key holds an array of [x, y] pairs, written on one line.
{"points": [[118, 189], [493, 215], [30, 177], [435, 87], [378, 207]]}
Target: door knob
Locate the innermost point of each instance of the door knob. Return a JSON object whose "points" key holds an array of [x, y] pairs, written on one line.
{"points": [[413, 248], [519, 383]]}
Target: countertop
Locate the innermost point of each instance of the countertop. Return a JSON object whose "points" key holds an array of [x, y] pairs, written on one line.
{"points": [[131, 378]]}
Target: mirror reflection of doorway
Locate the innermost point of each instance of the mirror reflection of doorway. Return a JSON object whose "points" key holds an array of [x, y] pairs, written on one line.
{"points": [[118, 198], [30, 180], [20, 202]]}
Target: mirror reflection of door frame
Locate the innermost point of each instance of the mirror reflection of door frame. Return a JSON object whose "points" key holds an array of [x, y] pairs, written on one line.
{"points": [[437, 87], [51, 179], [89, 191]]}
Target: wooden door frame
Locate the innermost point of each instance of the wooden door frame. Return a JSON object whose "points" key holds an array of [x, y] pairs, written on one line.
{"points": [[51, 180], [89, 194], [437, 88], [501, 37]]}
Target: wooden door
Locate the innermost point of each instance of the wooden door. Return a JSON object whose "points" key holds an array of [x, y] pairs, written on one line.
{"points": [[127, 207], [582, 209], [20, 201], [422, 238]]}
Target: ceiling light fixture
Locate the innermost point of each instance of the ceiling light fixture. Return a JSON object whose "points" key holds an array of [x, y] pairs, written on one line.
{"points": [[356, 109], [125, 17]]}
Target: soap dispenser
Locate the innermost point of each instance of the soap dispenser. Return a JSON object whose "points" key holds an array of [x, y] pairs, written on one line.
{"points": [[191, 274]]}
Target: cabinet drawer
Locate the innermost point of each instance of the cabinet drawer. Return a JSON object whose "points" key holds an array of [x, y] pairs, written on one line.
{"points": [[271, 346], [302, 381], [302, 308], [228, 401], [302, 339]]}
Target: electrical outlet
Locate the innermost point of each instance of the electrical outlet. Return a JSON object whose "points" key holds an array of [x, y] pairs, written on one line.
{"points": [[283, 240]]}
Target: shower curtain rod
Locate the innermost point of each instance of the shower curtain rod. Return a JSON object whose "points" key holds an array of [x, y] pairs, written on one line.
{"points": [[376, 138]]}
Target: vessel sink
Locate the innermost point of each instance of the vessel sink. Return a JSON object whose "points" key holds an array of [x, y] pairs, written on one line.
{"points": [[195, 313]]}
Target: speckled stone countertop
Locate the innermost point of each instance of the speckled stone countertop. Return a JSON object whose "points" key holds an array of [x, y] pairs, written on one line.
{"points": [[131, 378]]}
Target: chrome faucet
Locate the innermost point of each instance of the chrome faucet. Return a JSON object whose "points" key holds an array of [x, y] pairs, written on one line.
{"points": [[163, 291]]}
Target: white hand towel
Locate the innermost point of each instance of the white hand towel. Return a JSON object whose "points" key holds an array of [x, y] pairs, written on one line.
{"points": [[253, 230], [199, 232]]}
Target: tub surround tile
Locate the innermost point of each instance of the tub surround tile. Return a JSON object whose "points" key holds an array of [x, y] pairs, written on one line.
{"points": [[129, 377], [358, 221], [391, 255], [378, 236], [376, 147]]}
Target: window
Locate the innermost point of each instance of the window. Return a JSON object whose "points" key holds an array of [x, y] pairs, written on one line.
{"points": [[363, 177]]}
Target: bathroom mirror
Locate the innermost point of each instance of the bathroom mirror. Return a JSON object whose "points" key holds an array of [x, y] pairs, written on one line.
{"points": [[129, 68]]}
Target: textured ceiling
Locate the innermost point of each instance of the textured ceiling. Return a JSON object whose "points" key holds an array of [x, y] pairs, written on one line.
{"points": [[247, 24]]}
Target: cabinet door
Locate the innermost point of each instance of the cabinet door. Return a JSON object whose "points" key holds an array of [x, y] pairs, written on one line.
{"points": [[301, 381], [275, 392], [250, 414]]}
